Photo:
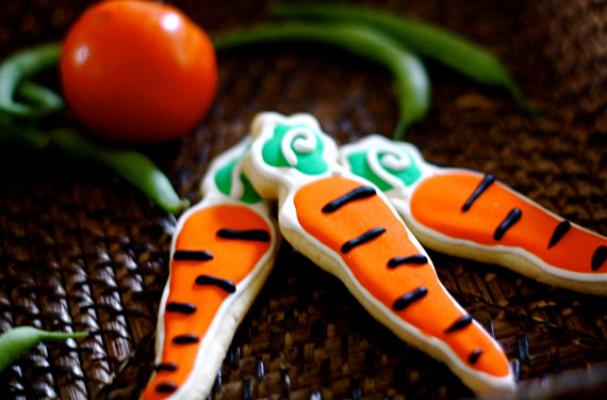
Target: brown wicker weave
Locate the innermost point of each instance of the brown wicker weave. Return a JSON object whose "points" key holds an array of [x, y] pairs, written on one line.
{"points": [[80, 249]]}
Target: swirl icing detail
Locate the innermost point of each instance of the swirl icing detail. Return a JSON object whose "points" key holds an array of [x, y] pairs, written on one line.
{"points": [[295, 146], [387, 168], [300, 139]]}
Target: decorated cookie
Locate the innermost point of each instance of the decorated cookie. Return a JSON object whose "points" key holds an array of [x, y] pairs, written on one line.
{"points": [[222, 252], [344, 224], [468, 214]]}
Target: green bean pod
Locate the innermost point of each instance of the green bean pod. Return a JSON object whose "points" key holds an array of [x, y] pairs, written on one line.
{"points": [[135, 167], [20, 66], [17, 341], [422, 38], [410, 77], [40, 96]]}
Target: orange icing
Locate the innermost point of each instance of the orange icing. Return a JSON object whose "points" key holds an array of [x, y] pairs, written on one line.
{"points": [[368, 262], [233, 260], [437, 203]]}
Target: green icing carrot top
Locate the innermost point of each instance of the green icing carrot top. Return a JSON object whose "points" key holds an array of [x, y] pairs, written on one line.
{"points": [[296, 146], [224, 179]]}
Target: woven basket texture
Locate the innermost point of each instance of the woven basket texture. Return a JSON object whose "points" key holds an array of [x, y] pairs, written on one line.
{"points": [[80, 249]]}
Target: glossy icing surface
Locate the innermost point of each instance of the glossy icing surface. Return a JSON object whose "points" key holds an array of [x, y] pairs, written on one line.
{"points": [[383, 166], [199, 284], [297, 146], [412, 291], [224, 182], [493, 219]]}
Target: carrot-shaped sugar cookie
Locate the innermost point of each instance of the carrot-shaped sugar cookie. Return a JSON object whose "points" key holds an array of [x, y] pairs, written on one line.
{"points": [[221, 255], [468, 214], [346, 225]]}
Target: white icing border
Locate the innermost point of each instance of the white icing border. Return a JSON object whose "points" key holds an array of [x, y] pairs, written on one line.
{"points": [[515, 258], [372, 145], [208, 186], [275, 183], [262, 130], [218, 337]]}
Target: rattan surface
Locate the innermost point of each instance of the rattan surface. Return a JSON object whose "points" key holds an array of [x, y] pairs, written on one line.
{"points": [[80, 249]]}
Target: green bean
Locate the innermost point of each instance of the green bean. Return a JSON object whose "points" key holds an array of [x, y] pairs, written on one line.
{"points": [[23, 65], [17, 341], [133, 166], [425, 39], [40, 95], [136, 168], [411, 80]]}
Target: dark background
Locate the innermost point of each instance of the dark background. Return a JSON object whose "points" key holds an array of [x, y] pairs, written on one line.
{"points": [[80, 248]]}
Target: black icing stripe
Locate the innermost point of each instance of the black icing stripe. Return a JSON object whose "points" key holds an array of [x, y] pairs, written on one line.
{"points": [[362, 239], [169, 367], [188, 338], [599, 257], [416, 259], [256, 235], [224, 284], [459, 324], [166, 387], [409, 298], [181, 308], [561, 229], [474, 356], [192, 255], [487, 181], [356, 194], [512, 218]]}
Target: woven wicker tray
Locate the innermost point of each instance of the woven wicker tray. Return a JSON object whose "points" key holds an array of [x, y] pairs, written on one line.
{"points": [[80, 248]]}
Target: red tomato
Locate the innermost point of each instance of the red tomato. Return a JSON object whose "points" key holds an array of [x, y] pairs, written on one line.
{"points": [[138, 71]]}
